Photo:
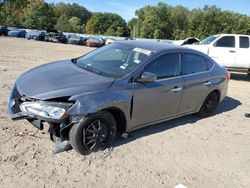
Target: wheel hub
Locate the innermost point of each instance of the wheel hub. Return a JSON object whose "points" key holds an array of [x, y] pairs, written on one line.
{"points": [[210, 104], [95, 134]]}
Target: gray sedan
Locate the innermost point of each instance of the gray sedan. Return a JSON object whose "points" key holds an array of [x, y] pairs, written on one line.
{"points": [[118, 88]]}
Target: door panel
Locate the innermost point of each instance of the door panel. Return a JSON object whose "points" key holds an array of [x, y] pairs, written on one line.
{"points": [[242, 59], [195, 90], [224, 51], [155, 101]]}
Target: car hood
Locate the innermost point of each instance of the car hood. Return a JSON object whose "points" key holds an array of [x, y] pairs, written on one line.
{"points": [[59, 79]]}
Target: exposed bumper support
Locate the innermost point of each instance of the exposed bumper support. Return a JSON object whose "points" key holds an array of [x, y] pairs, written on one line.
{"points": [[61, 146]]}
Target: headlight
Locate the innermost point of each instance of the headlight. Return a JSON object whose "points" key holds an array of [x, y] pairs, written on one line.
{"points": [[50, 110]]}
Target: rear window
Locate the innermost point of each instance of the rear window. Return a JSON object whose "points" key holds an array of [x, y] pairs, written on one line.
{"points": [[244, 42], [192, 63]]}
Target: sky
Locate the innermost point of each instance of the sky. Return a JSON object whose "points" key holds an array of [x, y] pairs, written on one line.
{"points": [[126, 8]]}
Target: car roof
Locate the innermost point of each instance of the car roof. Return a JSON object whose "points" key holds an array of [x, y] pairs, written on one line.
{"points": [[152, 45], [224, 34]]}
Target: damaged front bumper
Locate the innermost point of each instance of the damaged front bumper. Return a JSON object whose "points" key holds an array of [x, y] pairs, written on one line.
{"points": [[58, 128], [14, 105], [16, 113]]}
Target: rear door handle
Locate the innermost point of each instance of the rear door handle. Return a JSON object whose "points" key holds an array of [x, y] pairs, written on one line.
{"points": [[207, 83], [176, 89]]}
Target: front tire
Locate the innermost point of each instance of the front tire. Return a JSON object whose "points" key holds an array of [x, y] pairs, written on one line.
{"points": [[209, 105], [93, 132]]}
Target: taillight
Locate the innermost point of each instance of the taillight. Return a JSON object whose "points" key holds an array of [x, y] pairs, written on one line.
{"points": [[228, 76]]}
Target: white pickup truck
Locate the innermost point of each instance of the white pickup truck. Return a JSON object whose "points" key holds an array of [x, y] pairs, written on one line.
{"points": [[229, 50]]}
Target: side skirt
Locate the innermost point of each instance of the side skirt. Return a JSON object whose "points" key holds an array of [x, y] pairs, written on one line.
{"points": [[160, 121]]}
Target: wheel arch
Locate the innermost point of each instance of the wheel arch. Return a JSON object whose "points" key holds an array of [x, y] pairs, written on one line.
{"points": [[120, 118], [118, 103], [218, 93]]}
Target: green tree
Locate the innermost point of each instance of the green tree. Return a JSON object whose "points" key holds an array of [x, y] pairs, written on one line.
{"points": [[180, 16], [72, 10], [154, 22], [75, 24], [63, 24], [39, 15], [132, 26], [108, 24], [160, 21], [11, 12], [95, 24], [204, 22]]}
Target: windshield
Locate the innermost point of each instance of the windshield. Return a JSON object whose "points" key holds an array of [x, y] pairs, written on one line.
{"points": [[209, 39], [114, 60]]}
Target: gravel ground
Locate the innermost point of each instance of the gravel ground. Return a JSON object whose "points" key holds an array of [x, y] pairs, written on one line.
{"points": [[212, 152]]}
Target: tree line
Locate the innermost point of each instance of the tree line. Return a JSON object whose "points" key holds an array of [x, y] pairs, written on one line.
{"points": [[163, 21], [160, 22], [37, 14]]}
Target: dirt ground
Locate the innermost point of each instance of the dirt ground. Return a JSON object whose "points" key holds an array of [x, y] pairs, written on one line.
{"points": [[212, 152]]}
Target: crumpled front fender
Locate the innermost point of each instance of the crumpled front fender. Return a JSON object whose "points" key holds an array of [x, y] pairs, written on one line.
{"points": [[90, 103]]}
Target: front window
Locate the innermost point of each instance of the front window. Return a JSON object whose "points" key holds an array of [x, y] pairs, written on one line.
{"points": [[114, 60], [226, 42], [166, 66], [209, 39]]}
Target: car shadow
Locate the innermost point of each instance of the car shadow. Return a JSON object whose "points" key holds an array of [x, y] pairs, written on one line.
{"points": [[240, 77], [228, 104]]}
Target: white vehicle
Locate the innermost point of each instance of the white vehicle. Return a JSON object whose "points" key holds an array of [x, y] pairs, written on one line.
{"points": [[110, 41], [229, 50]]}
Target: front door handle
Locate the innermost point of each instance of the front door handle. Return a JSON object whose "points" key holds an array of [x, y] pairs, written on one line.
{"points": [[232, 51], [207, 83], [176, 89]]}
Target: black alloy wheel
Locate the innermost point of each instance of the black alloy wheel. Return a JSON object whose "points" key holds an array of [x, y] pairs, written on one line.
{"points": [[209, 105], [94, 132]]}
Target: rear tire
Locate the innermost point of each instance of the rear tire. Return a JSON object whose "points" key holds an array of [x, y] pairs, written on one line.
{"points": [[209, 105], [93, 132]]}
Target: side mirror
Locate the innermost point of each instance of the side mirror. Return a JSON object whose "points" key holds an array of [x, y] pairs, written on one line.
{"points": [[147, 77]]}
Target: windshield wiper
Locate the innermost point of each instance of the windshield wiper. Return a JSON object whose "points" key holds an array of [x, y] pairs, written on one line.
{"points": [[91, 69]]}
